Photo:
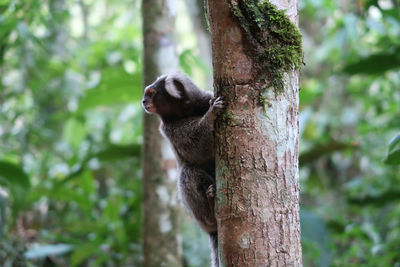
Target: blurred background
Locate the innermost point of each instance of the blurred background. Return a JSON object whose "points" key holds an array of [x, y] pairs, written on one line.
{"points": [[71, 132]]}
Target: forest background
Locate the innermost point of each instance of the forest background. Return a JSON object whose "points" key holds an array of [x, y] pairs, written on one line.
{"points": [[71, 132]]}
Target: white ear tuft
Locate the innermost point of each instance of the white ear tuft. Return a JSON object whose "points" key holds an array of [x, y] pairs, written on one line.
{"points": [[171, 87]]}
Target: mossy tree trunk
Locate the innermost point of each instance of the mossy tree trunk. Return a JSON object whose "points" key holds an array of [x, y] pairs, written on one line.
{"points": [[256, 54], [161, 246]]}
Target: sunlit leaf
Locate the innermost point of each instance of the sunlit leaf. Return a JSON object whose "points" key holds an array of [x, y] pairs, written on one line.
{"points": [[393, 157], [187, 59], [116, 87], [111, 211], [4, 2], [394, 142], [87, 183], [81, 253], [42, 251], [74, 132]]}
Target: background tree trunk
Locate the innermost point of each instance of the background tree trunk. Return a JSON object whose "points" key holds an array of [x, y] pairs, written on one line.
{"points": [[161, 245], [197, 13], [256, 50]]}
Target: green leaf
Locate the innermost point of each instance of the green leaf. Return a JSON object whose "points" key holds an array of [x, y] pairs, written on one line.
{"points": [[393, 12], [111, 211], [74, 132], [321, 150], [115, 152], [116, 86], [375, 64], [87, 183], [387, 197], [4, 2], [7, 26], [393, 143], [83, 252], [14, 174], [187, 59], [393, 158]]}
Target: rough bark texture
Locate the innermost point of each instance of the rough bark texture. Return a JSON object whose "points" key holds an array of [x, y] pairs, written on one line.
{"points": [[161, 246], [257, 137]]}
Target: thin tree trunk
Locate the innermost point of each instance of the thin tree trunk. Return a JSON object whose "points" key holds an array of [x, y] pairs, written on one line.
{"points": [[161, 246], [256, 54]]}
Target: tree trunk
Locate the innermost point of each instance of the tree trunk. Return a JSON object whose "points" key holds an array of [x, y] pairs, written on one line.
{"points": [[256, 54], [161, 246]]}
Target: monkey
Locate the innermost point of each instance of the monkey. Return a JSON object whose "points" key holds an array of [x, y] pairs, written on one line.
{"points": [[187, 116]]}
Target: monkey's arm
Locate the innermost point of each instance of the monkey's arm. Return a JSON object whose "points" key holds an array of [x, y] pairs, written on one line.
{"points": [[216, 106]]}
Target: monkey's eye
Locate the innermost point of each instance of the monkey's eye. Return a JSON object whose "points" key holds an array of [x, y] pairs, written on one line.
{"points": [[150, 92]]}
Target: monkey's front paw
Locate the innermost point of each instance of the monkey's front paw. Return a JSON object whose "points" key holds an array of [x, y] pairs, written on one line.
{"points": [[210, 191], [217, 103]]}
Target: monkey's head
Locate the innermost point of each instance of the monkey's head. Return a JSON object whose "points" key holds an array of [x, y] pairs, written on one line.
{"points": [[175, 96]]}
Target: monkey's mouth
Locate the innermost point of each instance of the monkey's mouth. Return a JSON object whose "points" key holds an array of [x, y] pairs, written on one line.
{"points": [[149, 108]]}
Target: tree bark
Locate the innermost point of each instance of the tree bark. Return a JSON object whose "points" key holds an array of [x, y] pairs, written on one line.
{"points": [[257, 206], [161, 244]]}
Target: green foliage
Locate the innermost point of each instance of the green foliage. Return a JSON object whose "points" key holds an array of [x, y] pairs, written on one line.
{"points": [[17, 181], [13, 174], [11, 252], [187, 59], [116, 87], [348, 113], [115, 152], [393, 157], [70, 118], [70, 115], [376, 64]]}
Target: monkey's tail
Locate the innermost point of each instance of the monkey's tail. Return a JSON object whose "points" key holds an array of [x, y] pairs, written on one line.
{"points": [[214, 249]]}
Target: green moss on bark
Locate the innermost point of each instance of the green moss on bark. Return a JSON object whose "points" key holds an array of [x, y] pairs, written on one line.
{"points": [[276, 42]]}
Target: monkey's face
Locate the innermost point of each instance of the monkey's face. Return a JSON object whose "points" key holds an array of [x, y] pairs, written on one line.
{"points": [[147, 101], [158, 99], [174, 97]]}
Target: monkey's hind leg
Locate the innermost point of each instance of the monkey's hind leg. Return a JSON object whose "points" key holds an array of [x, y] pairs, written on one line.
{"points": [[193, 185]]}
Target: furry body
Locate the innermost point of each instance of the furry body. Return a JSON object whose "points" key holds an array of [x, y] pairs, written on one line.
{"points": [[188, 114]]}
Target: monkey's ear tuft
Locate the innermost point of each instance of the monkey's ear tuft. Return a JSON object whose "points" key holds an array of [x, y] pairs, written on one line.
{"points": [[174, 87]]}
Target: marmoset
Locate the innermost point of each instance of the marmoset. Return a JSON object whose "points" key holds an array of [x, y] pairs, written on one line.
{"points": [[187, 120]]}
